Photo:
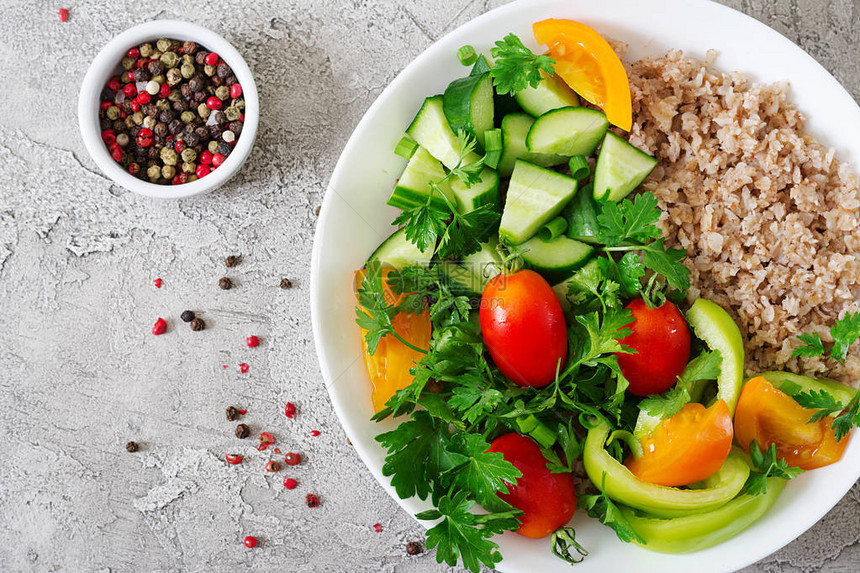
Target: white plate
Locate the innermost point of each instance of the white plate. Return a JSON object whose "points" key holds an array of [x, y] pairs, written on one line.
{"points": [[355, 219]]}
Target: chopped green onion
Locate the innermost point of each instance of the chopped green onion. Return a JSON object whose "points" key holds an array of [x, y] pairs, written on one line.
{"points": [[406, 147], [536, 429], [467, 56], [492, 147], [553, 229], [579, 167]]}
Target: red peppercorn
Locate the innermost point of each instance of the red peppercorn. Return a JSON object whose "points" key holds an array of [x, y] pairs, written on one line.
{"points": [[242, 117], [179, 146], [108, 136], [266, 440], [273, 467], [315, 433], [377, 527], [159, 327], [206, 158], [134, 168], [134, 53], [105, 104], [235, 91], [129, 90], [243, 368], [292, 459], [217, 160], [242, 412], [64, 15], [165, 90], [202, 171], [252, 341], [114, 85], [144, 137], [176, 180], [290, 483], [212, 58], [213, 103], [233, 459], [122, 114], [290, 410], [311, 500], [157, 283], [129, 76], [144, 98], [117, 154], [250, 542]]}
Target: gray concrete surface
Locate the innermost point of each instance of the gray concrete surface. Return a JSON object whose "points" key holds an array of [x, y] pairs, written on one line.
{"points": [[79, 372]]}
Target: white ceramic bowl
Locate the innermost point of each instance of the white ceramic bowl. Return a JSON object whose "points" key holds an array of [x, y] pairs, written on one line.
{"points": [[354, 220], [104, 66]]}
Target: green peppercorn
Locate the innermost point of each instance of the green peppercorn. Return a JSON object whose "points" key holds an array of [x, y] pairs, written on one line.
{"points": [[168, 156], [163, 45], [146, 50], [192, 177], [113, 112], [228, 136], [155, 55], [232, 113], [149, 122], [187, 70], [239, 103], [169, 59], [209, 70], [222, 93], [189, 167], [162, 105], [137, 117], [122, 139], [187, 116], [213, 147], [152, 87], [188, 154], [175, 96], [174, 76], [168, 171], [159, 79], [129, 121], [154, 172], [127, 63], [203, 111]]}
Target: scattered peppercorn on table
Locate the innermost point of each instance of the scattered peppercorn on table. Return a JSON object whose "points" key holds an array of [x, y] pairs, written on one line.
{"points": [[161, 404]]}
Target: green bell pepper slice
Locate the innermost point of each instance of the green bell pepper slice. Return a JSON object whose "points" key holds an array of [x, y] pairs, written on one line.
{"points": [[718, 330], [793, 383], [621, 485], [702, 530]]}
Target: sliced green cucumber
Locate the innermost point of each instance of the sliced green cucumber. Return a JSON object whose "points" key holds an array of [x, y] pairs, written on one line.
{"points": [[515, 128], [486, 263], [468, 105], [551, 93], [484, 192], [397, 252], [567, 131], [482, 66], [413, 187], [620, 169], [462, 282], [555, 260], [581, 214], [535, 196], [431, 130]]}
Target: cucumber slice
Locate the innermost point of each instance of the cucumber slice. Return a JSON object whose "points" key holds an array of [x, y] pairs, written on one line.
{"points": [[413, 187], [462, 282], [482, 66], [555, 260], [581, 214], [485, 192], [535, 196], [486, 263], [620, 169], [551, 93], [515, 128], [397, 252], [567, 131], [468, 105], [431, 130]]}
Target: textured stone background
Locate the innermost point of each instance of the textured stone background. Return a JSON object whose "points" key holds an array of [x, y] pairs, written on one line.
{"points": [[81, 375]]}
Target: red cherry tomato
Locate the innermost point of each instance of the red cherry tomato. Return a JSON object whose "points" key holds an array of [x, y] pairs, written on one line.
{"points": [[661, 339], [548, 500], [523, 327]]}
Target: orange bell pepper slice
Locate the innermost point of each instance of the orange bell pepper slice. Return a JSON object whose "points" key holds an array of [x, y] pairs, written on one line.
{"points": [[687, 447], [770, 416], [589, 65], [388, 368]]}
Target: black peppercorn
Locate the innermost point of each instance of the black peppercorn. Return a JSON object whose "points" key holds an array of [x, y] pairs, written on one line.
{"points": [[166, 116], [180, 105], [231, 261], [232, 413], [189, 47], [160, 131], [414, 548], [242, 431], [131, 447], [235, 127], [220, 117], [141, 75], [200, 96], [155, 68], [223, 70], [149, 110], [215, 131], [108, 95], [200, 57], [216, 81], [224, 149], [174, 126], [187, 316], [230, 80], [201, 133], [195, 84], [197, 324], [225, 283], [286, 283]]}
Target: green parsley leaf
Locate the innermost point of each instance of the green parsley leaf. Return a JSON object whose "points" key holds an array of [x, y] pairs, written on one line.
{"points": [[667, 404], [469, 173], [629, 220], [601, 507], [604, 334], [667, 262], [571, 449], [767, 465], [473, 401], [827, 405], [705, 366], [465, 233], [465, 535], [516, 67], [812, 345], [478, 471], [423, 225], [408, 448], [627, 272], [845, 332]]}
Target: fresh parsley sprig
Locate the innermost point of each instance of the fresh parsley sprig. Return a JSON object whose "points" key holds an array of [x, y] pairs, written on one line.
{"points": [[706, 366], [516, 67], [602, 508], [845, 332], [767, 465]]}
